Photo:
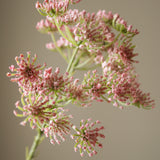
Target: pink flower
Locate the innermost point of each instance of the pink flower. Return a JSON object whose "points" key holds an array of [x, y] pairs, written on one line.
{"points": [[61, 43], [77, 94], [87, 137], [53, 7], [125, 91], [53, 82], [36, 109], [96, 86], [45, 26], [27, 74], [121, 25], [126, 53], [58, 126], [95, 34]]}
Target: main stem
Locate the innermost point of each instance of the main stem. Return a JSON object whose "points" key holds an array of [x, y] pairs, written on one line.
{"points": [[72, 60], [35, 144]]}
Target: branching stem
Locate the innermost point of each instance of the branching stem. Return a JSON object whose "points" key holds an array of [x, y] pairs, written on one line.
{"points": [[36, 142], [72, 60]]}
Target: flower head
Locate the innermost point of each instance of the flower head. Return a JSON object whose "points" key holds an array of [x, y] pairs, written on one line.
{"points": [[95, 33], [45, 26], [120, 24], [61, 43], [126, 53], [124, 90], [58, 126], [86, 137], [26, 74], [77, 94], [96, 85], [37, 109], [53, 82], [54, 7]]}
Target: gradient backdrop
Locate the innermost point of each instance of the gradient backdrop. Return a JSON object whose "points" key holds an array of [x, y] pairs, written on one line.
{"points": [[132, 133]]}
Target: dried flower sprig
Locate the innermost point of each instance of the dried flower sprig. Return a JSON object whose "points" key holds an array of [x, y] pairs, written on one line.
{"points": [[97, 40], [94, 33]]}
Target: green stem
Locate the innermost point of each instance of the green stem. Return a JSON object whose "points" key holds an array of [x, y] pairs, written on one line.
{"points": [[36, 142], [58, 49], [58, 27], [72, 60], [60, 31]]}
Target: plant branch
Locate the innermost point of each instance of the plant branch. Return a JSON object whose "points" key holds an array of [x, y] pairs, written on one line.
{"points": [[58, 49], [72, 59], [60, 31], [36, 142]]}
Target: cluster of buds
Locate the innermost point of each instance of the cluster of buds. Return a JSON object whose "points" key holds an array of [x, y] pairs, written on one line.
{"points": [[45, 26], [122, 80], [94, 33], [54, 7], [97, 39], [43, 96], [58, 126], [27, 74], [95, 85], [86, 137], [61, 43]]}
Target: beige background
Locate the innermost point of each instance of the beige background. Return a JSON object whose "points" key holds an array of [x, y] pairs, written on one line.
{"points": [[131, 134]]}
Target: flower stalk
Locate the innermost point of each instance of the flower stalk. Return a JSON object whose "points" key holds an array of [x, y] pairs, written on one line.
{"points": [[37, 140], [70, 67]]}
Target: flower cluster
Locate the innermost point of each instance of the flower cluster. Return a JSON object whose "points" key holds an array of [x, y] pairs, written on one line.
{"points": [[36, 109], [94, 33], [123, 86], [43, 96], [121, 25], [96, 39], [45, 93], [45, 26], [54, 7], [58, 126], [86, 137], [125, 91], [61, 43], [77, 93], [95, 85], [53, 82], [27, 75]]}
